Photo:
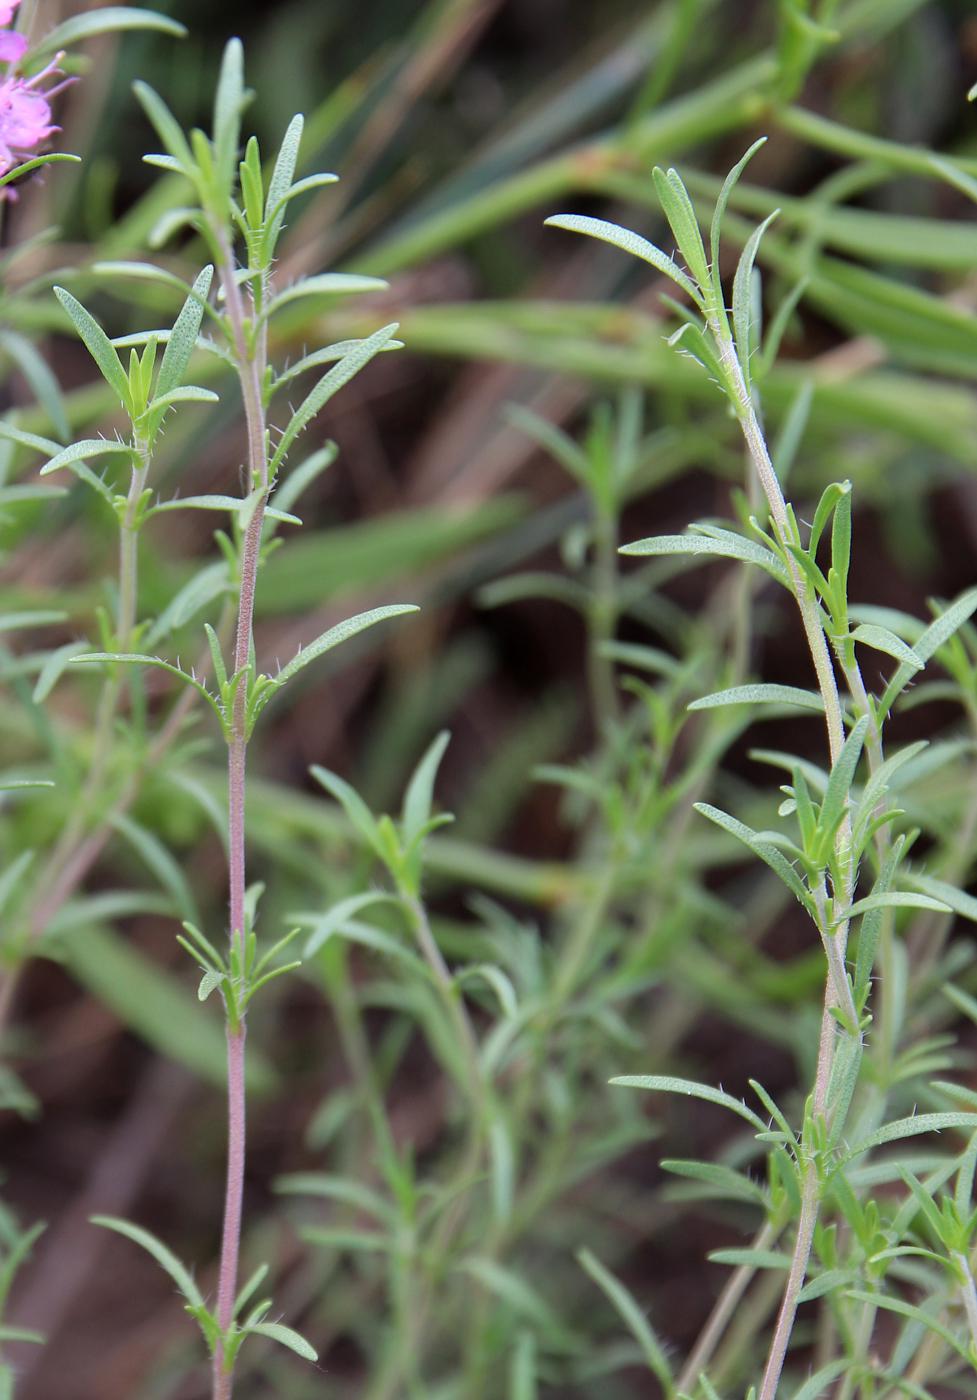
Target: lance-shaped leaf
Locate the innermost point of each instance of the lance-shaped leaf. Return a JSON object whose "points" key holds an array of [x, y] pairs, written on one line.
{"points": [[325, 925], [761, 695], [335, 635], [420, 791], [286, 1337], [329, 384], [719, 211], [631, 243], [229, 98], [743, 326], [311, 182], [668, 1084], [881, 639], [231, 503], [633, 1316], [166, 126], [164, 1256], [894, 899], [107, 19], [124, 658], [840, 781], [280, 183], [767, 852], [723, 543], [30, 165], [183, 337], [328, 355], [326, 284], [99, 346], [81, 451], [934, 636], [678, 210]]}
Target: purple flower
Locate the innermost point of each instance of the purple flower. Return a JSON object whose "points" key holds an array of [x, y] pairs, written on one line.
{"points": [[25, 118], [25, 103], [13, 46]]}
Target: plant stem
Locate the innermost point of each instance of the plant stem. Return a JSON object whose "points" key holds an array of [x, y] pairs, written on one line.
{"points": [[827, 684], [250, 358]]}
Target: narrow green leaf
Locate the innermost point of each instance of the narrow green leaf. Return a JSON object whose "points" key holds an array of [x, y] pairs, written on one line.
{"points": [[914, 1313], [338, 1188], [341, 633], [281, 181], [761, 695], [633, 1316], [160, 861], [722, 543], [938, 632], [108, 19], [764, 849], [329, 923], [840, 781], [326, 284], [552, 439], [81, 451], [99, 346], [27, 166], [715, 230], [946, 894], [720, 1181], [12, 878], [667, 1084], [124, 658], [286, 1337], [166, 126], [183, 337], [750, 1258], [631, 243], [893, 899], [914, 1126], [359, 814], [743, 328], [682, 220], [420, 791], [815, 1385], [328, 385], [328, 355], [164, 1256], [228, 103], [54, 667]]}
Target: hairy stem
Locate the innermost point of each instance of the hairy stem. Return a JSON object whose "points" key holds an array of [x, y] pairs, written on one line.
{"points": [[249, 353], [810, 612]]}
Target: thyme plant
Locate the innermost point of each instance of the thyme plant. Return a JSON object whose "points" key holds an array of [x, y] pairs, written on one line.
{"points": [[237, 202], [843, 836], [472, 1205]]}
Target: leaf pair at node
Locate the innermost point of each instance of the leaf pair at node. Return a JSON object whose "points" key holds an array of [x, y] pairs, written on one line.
{"points": [[231, 1340], [398, 845]]}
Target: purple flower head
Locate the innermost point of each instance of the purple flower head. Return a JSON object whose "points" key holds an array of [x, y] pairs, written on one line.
{"points": [[13, 46], [25, 114]]}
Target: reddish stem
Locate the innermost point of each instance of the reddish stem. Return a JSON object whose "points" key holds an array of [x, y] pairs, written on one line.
{"points": [[249, 359]]}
